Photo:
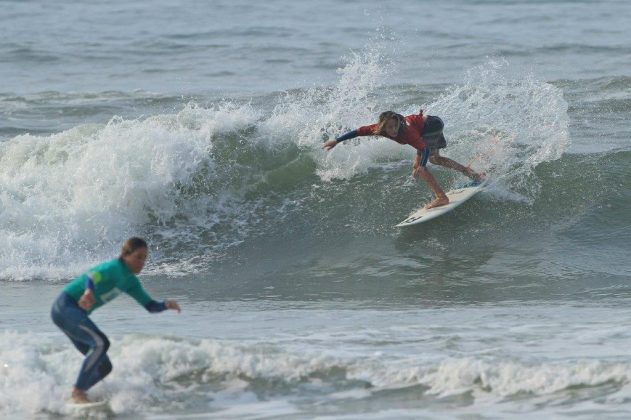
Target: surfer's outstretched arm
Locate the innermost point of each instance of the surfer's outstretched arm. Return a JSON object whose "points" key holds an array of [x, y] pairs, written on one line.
{"points": [[332, 143]]}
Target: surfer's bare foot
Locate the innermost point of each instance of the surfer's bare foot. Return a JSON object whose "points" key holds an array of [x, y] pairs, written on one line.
{"points": [[474, 175], [438, 201], [79, 396]]}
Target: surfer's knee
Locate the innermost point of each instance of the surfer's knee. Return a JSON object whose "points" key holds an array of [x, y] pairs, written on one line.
{"points": [[105, 367], [435, 159], [421, 171], [102, 344], [106, 343]]}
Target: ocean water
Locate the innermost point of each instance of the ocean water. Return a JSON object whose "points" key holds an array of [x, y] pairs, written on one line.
{"points": [[198, 125]]}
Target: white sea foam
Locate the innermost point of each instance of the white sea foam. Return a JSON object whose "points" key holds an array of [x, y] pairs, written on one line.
{"points": [[159, 374], [505, 122], [68, 200]]}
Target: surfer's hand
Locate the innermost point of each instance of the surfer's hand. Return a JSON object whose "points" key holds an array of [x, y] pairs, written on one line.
{"points": [[416, 164], [171, 304], [329, 144], [417, 169], [86, 301]]}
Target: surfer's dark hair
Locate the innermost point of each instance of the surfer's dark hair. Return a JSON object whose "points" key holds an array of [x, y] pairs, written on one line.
{"points": [[386, 116], [132, 244]]}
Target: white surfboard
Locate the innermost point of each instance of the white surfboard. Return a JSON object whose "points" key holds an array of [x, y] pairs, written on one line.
{"points": [[96, 405], [456, 197]]}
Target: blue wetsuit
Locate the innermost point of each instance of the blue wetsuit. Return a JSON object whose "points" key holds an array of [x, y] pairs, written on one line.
{"points": [[106, 281]]}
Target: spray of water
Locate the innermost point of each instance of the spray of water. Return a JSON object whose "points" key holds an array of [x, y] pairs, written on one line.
{"points": [[505, 124], [205, 178]]}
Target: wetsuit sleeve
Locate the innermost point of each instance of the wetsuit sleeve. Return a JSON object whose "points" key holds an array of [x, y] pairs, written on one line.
{"points": [[366, 130], [155, 306], [92, 278], [347, 136], [138, 293], [89, 284], [424, 154]]}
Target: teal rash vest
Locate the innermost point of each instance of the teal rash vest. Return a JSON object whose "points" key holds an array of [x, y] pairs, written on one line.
{"points": [[108, 280]]}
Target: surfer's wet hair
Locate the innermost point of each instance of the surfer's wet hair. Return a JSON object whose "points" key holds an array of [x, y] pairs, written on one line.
{"points": [[386, 116], [132, 244]]}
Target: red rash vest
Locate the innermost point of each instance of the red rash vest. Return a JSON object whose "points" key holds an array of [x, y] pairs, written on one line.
{"points": [[410, 134]]}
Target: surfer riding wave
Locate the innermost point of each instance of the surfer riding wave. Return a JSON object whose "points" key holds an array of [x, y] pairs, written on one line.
{"points": [[425, 134]]}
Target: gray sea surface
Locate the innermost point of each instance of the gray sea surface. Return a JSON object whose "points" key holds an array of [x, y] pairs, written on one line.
{"points": [[199, 125]]}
